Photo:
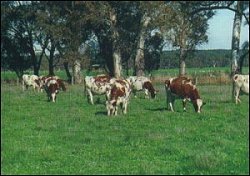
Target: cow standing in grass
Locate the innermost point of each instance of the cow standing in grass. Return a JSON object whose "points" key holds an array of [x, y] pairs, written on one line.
{"points": [[118, 95], [241, 85], [141, 83], [52, 86], [96, 86], [31, 80], [184, 89]]}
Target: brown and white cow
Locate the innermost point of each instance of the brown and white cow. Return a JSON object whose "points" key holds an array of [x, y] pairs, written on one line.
{"points": [[52, 87], [182, 88], [31, 80], [141, 83], [118, 95], [241, 85], [44, 79], [97, 85]]}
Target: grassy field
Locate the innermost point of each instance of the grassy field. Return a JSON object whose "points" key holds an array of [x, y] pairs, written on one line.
{"points": [[74, 137]]}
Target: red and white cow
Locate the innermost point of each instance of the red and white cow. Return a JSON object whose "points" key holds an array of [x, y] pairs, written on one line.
{"points": [[241, 85], [44, 79], [31, 80], [184, 89], [141, 83], [118, 95], [52, 86], [96, 86]]}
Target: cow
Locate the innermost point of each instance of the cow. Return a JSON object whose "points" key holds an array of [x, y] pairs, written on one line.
{"points": [[118, 94], [97, 85], [241, 85], [52, 87], [182, 88], [31, 80], [141, 83], [44, 79]]}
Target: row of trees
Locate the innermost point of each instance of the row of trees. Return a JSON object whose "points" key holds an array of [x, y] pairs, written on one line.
{"points": [[119, 33]]}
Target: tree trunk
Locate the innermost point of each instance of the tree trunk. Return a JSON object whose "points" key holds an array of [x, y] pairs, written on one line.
{"points": [[117, 63], [236, 42], [116, 47], [66, 66], [139, 58], [77, 72], [182, 69], [236, 39], [36, 66], [51, 59]]}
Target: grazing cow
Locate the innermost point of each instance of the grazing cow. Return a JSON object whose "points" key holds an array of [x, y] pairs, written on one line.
{"points": [[31, 80], [96, 86], [44, 79], [118, 95], [52, 87], [241, 85], [183, 88], [141, 83]]}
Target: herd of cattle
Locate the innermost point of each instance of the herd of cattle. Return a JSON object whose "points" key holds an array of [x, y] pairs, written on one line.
{"points": [[118, 91]]}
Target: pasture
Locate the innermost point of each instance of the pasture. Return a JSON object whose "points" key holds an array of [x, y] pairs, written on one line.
{"points": [[74, 137]]}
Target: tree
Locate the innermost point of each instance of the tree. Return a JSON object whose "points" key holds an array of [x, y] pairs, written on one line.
{"points": [[240, 8], [153, 50], [19, 19], [150, 15], [187, 30]]}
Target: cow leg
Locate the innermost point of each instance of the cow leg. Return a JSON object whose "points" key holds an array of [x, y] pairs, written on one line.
{"points": [[49, 97], [125, 105], [171, 106], [23, 86], [146, 93], [90, 97], [236, 94], [134, 92], [170, 102], [115, 111], [53, 96], [184, 102]]}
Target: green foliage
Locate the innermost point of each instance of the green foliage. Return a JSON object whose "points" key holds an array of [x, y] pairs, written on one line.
{"points": [[199, 59], [74, 137]]}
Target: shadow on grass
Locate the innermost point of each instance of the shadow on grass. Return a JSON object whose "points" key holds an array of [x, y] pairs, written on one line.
{"points": [[156, 109], [104, 113]]}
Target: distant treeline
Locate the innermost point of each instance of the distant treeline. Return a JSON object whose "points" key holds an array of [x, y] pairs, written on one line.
{"points": [[199, 58], [170, 59]]}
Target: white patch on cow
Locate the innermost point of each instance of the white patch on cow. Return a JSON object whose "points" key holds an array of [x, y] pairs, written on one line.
{"points": [[199, 104], [51, 82]]}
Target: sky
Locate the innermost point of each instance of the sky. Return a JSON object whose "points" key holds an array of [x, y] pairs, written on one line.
{"points": [[220, 31]]}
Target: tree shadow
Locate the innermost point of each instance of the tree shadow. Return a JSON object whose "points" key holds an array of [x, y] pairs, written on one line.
{"points": [[156, 109]]}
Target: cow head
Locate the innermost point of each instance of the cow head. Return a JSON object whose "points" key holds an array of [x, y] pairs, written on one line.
{"points": [[148, 85], [61, 84], [198, 104]]}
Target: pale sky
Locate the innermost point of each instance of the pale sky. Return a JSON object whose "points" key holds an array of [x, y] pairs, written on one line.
{"points": [[220, 31]]}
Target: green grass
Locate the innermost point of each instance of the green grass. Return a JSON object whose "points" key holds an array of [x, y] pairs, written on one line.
{"points": [[74, 137]]}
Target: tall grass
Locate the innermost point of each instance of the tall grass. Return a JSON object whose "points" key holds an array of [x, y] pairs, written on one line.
{"points": [[74, 137]]}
